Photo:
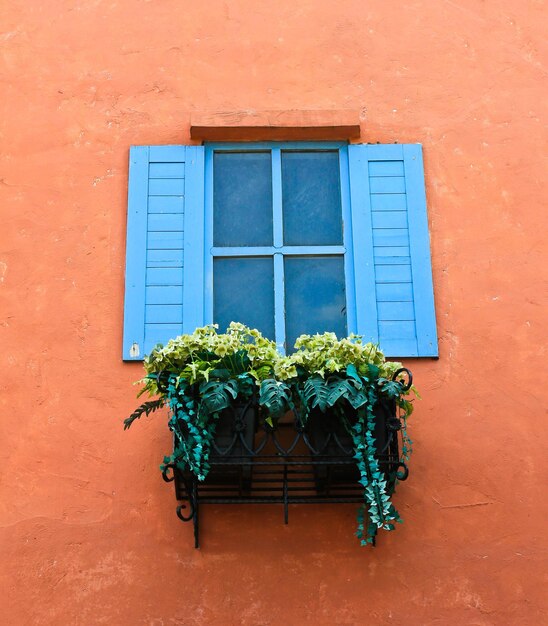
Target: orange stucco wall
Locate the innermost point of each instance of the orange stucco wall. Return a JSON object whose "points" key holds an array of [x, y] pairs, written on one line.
{"points": [[88, 529]]}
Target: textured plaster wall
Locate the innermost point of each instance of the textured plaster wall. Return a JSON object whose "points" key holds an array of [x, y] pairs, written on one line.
{"points": [[88, 529]]}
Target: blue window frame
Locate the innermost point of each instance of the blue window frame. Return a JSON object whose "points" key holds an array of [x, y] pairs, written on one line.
{"points": [[276, 226], [290, 237]]}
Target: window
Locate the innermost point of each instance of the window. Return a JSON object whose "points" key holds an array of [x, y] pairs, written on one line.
{"points": [[286, 237], [274, 225]]}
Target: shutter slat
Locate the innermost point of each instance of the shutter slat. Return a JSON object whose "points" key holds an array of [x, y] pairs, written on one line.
{"points": [[164, 295], [165, 221], [393, 274], [389, 202], [391, 260], [394, 292], [391, 237], [160, 333], [396, 311], [386, 168], [164, 276], [166, 170], [166, 187], [167, 154], [397, 348], [166, 204], [165, 258], [164, 240], [396, 330], [164, 314], [395, 251], [389, 219], [390, 184]]}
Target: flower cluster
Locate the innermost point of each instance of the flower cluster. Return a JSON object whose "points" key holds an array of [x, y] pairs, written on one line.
{"points": [[325, 354], [195, 356]]}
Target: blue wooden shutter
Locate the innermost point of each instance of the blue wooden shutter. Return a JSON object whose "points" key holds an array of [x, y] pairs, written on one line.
{"points": [[394, 294], [164, 249]]}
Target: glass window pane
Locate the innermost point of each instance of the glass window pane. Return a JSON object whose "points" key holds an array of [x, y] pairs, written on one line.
{"points": [[315, 300], [243, 291], [242, 199], [311, 198]]}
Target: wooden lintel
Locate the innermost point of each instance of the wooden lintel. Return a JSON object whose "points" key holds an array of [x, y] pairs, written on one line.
{"points": [[275, 126]]}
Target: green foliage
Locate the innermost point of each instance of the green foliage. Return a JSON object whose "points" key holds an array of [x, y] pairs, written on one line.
{"points": [[216, 395], [207, 353], [325, 354], [146, 408], [236, 363], [343, 388], [381, 512], [198, 376], [390, 388], [276, 397], [316, 393]]}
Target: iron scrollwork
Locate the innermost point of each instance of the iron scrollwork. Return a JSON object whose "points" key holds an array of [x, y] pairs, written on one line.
{"points": [[254, 462]]}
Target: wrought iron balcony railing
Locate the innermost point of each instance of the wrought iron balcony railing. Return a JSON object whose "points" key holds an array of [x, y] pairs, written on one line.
{"points": [[291, 463]]}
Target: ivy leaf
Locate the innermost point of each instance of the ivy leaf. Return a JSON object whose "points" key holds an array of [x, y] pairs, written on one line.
{"points": [[390, 388]]}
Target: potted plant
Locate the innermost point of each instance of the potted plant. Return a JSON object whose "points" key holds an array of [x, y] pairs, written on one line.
{"points": [[349, 396], [342, 392], [208, 379]]}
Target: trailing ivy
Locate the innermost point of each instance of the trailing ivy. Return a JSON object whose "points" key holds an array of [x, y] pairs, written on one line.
{"points": [[362, 393]]}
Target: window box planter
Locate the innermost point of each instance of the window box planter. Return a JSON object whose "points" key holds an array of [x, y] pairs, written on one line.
{"points": [[284, 431], [290, 463]]}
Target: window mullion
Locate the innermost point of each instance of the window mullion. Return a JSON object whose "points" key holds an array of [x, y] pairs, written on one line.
{"points": [[279, 301], [347, 239], [279, 295], [277, 197], [312, 250], [243, 251]]}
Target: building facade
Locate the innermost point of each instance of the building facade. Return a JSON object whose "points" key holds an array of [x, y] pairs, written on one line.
{"points": [[89, 534]]}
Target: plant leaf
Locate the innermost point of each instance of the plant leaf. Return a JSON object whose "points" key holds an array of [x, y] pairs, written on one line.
{"points": [[215, 395], [340, 388], [275, 396], [316, 393], [146, 408], [236, 363]]}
